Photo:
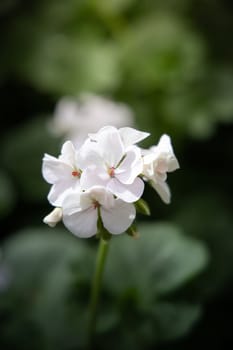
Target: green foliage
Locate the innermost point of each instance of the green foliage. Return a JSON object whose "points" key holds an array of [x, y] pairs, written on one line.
{"points": [[208, 216], [40, 265], [7, 195], [23, 150], [49, 277], [147, 53], [157, 263]]}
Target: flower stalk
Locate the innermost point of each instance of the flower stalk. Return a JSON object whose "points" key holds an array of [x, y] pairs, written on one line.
{"points": [[96, 287]]}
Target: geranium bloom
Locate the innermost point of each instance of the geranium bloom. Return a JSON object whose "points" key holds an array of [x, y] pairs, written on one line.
{"points": [[101, 181], [81, 211], [159, 160], [111, 160], [62, 173], [75, 118]]}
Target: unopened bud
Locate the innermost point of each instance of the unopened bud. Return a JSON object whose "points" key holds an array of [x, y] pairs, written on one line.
{"points": [[53, 218]]}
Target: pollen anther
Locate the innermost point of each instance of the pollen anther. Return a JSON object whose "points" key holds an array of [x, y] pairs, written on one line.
{"points": [[111, 171], [75, 173]]}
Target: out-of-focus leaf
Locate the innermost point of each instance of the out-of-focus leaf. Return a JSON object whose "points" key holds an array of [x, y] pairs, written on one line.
{"points": [[23, 151], [39, 264], [112, 7], [69, 66], [160, 51], [161, 261], [174, 320], [208, 216], [7, 195]]}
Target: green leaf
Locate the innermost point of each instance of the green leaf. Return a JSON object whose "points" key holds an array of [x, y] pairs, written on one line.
{"points": [[39, 264], [50, 273], [216, 231], [161, 261], [24, 162], [173, 320], [7, 194]]}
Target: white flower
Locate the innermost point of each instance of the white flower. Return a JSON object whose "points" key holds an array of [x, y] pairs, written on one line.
{"points": [[75, 118], [129, 136], [53, 218], [110, 163], [96, 185], [62, 173], [159, 160], [81, 210]]}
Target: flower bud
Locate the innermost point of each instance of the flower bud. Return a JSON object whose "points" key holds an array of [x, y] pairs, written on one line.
{"points": [[53, 218]]}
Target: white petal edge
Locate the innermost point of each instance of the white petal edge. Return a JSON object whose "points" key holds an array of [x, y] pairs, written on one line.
{"points": [[119, 218], [163, 191], [130, 136], [82, 223], [54, 170], [110, 147], [128, 193], [58, 192], [131, 166], [53, 217]]}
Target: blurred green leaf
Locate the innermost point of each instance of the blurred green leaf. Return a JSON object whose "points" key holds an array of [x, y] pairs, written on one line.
{"points": [[208, 216], [39, 264], [7, 195], [49, 277], [70, 65], [160, 261], [23, 151], [174, 319], [172, 54]]}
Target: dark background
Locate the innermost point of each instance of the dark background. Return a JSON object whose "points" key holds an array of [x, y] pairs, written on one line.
{"points": [[172, 63]]}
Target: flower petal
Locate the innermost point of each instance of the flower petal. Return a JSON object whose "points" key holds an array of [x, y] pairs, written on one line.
{"points": [[82, 223], [130, 167], [130, 136], [93, 177], [88, 155], [101, 195], [68, 154], [54, 170], [129, 193], [163, 190], [164, 150], [118, 218], [53, 218], [110, 146], [60, 190]]}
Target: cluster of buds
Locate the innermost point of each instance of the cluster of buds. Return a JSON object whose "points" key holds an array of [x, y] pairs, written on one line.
{"points": [[100, 184]]}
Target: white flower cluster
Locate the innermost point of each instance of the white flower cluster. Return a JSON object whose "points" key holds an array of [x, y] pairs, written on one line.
{"points": [[74, 117], [102, 180]]}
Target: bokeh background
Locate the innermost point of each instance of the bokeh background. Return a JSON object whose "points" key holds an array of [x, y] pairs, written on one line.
{"points": [[171, 63]]}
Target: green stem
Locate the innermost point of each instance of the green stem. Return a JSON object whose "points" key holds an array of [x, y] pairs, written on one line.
{"points": [[96, 286]]}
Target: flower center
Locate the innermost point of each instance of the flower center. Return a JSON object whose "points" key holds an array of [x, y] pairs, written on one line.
{"points": [[96, 204], [76, 173], [111, 171]]}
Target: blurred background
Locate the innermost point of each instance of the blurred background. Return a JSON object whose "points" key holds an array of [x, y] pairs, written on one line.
{"points": [[67, 67]]}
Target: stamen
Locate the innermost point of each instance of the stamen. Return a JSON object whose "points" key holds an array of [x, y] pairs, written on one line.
{"points": [[96, 204], [76, 173], [111, 171]]}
